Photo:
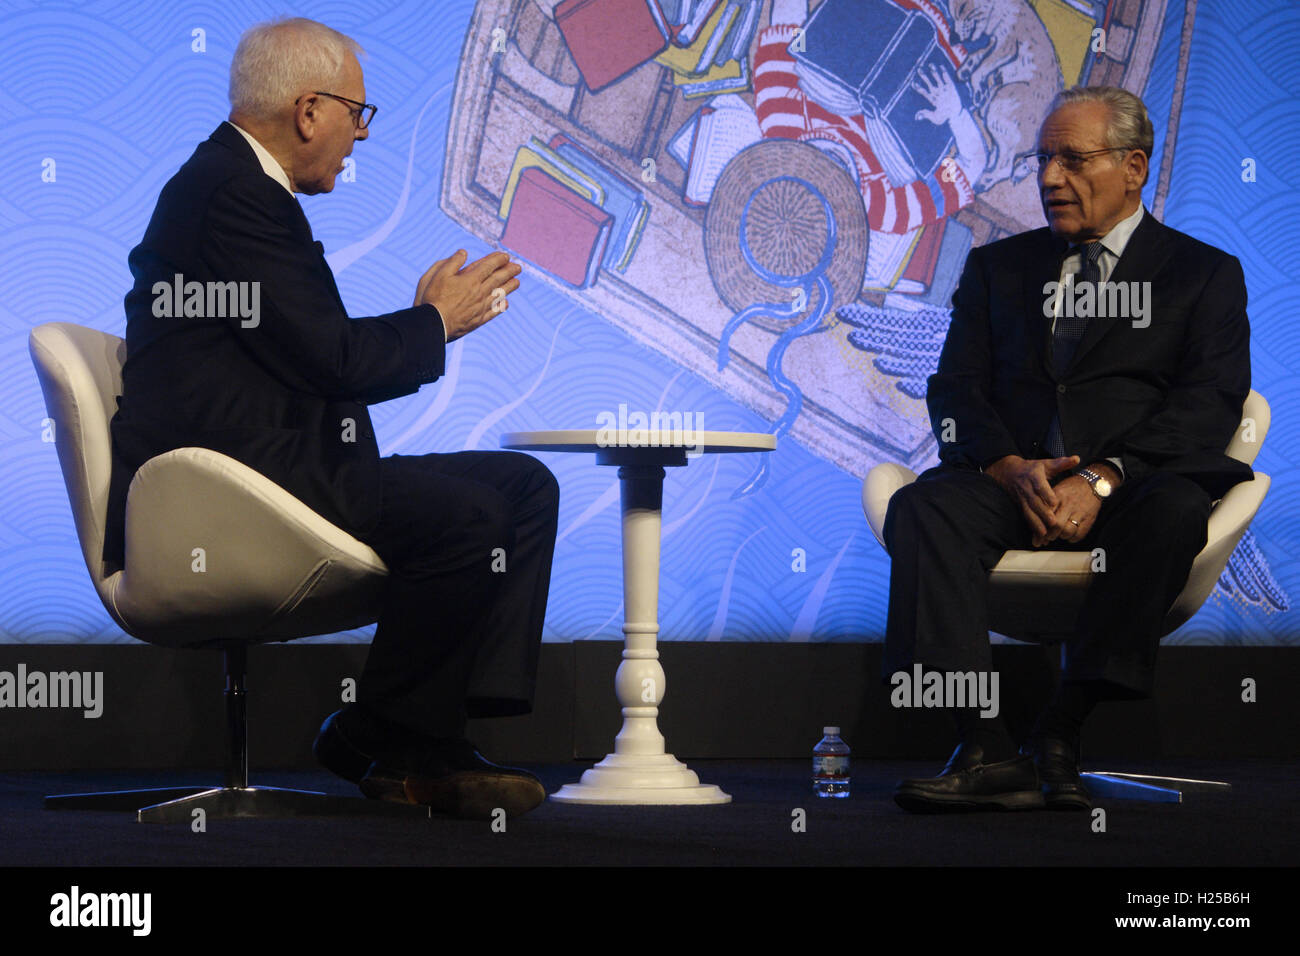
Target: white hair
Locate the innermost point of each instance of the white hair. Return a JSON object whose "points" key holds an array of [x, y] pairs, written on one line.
{"points": [[1129, 126], [279, 60]]}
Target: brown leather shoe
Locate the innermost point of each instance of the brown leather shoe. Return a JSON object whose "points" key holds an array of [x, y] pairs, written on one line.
{"points": [[456, 780], [968, 783]]}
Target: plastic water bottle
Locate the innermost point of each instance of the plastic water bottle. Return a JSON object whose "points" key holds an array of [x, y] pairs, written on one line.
{"points": [[831, 765]]}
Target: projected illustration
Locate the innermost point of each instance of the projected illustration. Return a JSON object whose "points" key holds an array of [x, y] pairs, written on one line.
{"points": [[751, 211], [809, 177]]}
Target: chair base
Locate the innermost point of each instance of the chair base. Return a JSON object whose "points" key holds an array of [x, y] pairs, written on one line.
{"points": [[1135, 786], [177, 804]]}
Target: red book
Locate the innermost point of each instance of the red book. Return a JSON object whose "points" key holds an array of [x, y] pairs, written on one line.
{"points": [[556, 229], [609, 38], [920, 267]]}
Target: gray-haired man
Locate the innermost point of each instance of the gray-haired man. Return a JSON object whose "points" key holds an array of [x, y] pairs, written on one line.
{"points": [[286, 392], [1035, 381]]}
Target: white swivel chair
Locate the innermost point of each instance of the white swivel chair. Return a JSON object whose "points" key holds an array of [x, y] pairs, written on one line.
{"points": [[270, 568], [1030, 591]]}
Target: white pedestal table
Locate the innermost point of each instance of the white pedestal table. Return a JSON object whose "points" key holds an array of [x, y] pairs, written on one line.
{"points": [[640, 770]]}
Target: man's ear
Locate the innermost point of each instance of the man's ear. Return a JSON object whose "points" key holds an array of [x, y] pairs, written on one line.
{"points": [[1135, 170], [305, 116]]}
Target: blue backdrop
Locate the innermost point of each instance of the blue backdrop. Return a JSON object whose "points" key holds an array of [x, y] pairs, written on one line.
{"points": [[105, 100]]}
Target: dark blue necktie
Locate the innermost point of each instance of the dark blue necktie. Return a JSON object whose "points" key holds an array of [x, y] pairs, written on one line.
{"points": [[1066, 336], [1070, 328]]}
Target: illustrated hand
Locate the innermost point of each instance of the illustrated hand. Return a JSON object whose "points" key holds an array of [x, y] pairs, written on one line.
{"points": [[941, 92], [467, 296], [1028, 482]]}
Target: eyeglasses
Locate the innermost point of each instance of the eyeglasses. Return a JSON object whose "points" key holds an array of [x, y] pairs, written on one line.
{"points": [[1068, 159], [361, 115]]}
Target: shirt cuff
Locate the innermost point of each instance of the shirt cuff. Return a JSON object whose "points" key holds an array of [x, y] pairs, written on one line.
{"points": [[1118, 467]]}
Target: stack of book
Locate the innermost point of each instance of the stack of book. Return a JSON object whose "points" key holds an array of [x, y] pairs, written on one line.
{"points": [[568, 213], [704, 42], [709, 52]]}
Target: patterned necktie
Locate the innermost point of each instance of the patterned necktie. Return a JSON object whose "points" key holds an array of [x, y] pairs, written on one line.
{"points": [[1070, 328], [1066, 336]]}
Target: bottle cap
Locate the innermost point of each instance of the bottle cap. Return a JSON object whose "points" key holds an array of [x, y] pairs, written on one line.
{"points": [[831, 731]]}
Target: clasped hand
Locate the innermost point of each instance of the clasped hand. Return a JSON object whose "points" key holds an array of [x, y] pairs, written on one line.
{"points": [[1064, 512], [467, 296]]}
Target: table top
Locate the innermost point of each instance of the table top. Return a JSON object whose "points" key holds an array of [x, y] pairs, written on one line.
{"points": [[641, 439]]}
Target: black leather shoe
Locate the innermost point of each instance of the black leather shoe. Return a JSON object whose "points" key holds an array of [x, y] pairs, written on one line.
{"points": [[456, 779], [351, 739], [1058, 770], [968, 783]]}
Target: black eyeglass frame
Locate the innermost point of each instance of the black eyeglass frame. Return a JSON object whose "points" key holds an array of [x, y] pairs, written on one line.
{"points": [[357, 113]]}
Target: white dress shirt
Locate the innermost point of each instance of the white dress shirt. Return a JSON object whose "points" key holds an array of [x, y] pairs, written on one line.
{"points": [[269, 164]]}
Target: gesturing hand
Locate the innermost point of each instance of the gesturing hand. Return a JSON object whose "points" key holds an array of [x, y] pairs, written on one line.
{"points": [[1028, 482], [467, 296]]}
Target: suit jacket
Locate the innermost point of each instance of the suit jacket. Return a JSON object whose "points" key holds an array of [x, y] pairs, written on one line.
{"points": [[1167, 396], [277, 395]]}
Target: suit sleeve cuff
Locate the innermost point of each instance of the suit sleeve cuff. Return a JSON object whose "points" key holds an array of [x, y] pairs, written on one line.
{"points": [[431, 350]]}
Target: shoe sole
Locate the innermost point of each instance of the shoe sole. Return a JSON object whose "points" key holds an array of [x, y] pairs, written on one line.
{"points": [[1067, 801], [470, 795], [918, 802]]}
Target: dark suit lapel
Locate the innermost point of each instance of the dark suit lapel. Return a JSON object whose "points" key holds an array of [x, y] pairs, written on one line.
{"points": [[1043, 266], [329, 275], [1142, 258], [226, 135]]}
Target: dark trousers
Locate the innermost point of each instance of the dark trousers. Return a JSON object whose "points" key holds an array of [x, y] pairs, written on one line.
{"points": [[947, 530], [468, 539]]}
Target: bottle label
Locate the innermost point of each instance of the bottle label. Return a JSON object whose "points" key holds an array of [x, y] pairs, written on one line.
{"points": [[830, 765]]}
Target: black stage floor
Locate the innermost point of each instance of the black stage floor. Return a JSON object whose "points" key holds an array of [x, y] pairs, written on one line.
{"points": [[1253, 826]]}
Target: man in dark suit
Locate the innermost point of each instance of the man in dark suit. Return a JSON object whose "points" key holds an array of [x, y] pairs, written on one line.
{"points": [[263, 364], [1034, 382]]}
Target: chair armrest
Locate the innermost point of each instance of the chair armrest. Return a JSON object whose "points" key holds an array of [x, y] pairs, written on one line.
{"points": [[1229, 519], [877, 488], [216, 550]]}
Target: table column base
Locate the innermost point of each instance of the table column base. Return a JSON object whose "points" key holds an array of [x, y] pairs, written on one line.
{"points": [[631, 779]]}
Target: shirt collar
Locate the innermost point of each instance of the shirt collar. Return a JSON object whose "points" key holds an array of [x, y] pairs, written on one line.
{"points": [[269, 164], [1116, 241]]}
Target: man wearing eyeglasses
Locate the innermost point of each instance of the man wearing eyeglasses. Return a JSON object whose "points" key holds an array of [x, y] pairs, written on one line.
{"points": [[282, 384], [1065, 425]]}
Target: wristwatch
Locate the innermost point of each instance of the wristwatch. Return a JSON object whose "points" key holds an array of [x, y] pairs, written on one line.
{"points": [[1100, 486]]}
